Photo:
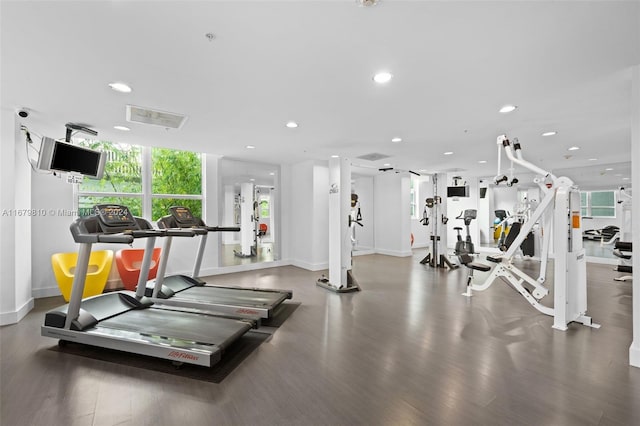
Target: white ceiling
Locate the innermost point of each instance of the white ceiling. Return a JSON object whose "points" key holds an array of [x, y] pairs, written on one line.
{"points": [[566, 64]]}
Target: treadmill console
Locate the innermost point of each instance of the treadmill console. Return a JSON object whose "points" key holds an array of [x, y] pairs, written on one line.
{"points": [[115, 218], [183, 217]]}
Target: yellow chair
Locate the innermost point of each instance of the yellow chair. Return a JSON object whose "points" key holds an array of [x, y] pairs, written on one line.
{"points": [[64, 265]]}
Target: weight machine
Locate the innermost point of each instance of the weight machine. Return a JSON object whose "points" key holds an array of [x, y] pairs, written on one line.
{"points": [[466, 245], [433, 258], [355, 218], [559, 211]]}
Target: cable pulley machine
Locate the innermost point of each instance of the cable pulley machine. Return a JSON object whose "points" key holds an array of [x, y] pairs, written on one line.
{"points": [[559, 212]]}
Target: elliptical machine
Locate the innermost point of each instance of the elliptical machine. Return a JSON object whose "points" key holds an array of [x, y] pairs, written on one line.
{"points": [[465, 246]]}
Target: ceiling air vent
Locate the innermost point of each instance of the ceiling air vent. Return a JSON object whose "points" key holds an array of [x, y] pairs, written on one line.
{"points": [[373, 156], [154, 117]]}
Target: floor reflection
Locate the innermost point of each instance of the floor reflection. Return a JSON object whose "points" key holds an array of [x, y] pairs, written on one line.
{"points": [[265, 253]]}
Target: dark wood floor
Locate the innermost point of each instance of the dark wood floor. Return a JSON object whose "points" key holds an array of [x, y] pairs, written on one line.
{"points": [[408, 349]]}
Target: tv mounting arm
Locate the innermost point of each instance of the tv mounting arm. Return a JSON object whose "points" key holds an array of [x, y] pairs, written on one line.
{"points": [[79, 128]]}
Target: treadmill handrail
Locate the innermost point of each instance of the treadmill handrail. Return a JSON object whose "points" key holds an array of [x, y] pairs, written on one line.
{"points": [[179, 232], [114, 238], [222, 228]]}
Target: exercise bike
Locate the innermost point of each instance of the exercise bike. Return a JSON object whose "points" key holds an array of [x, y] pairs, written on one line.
{"points": [[465, 246]]}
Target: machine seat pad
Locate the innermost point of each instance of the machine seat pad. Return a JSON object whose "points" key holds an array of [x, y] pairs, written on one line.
{"points": [[624, 246], [494, 259], [621, 255], [478, 266]]}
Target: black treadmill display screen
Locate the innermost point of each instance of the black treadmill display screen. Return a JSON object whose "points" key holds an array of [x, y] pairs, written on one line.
{"points": [[115, 215], [183, 216]]}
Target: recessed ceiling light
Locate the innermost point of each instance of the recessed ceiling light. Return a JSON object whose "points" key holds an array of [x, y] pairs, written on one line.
{"points": [[549, 133], [272, 173], [609, 169], [482, 161], [593, 159], [574, 148], [382, 77], [252, 180], [625, 178], [292, 124], [123, 128], [448, 153], [335, 156], [120, 87], [508, 108], [396, 140], [250, 147], [386, 164]]}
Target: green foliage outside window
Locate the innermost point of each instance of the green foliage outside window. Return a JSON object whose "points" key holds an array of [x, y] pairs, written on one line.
{"points": [[86, 203], [264, 208], [175, 172], [160, 206], [123, 169]]}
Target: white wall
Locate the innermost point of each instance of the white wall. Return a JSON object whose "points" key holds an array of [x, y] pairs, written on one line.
{"points": [[15, 229], [319, 238], [392, 220], [308, 220], [284, 213]]}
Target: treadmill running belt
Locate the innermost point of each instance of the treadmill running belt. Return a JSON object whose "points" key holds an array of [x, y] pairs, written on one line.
{"points": [[202, 329], [232, 296]]}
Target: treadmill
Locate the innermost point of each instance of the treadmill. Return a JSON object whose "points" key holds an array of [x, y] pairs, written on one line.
{"points": [[127, 321], [186, 292]]}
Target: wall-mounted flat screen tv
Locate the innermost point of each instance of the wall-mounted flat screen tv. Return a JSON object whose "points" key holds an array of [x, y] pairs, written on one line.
{"points": [[66, 157], [457, 191]]}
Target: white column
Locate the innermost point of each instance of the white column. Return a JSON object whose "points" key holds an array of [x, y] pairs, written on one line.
{"points": [[634, 350], [339, 207], [212, 211], [246, 213]]}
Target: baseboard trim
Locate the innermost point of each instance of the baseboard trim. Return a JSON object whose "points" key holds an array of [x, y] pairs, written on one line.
{"points": [[13, 317], [310, 266], [395, 253], [39, 293], [634, 355]]}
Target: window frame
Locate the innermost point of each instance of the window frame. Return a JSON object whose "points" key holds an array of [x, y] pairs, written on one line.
{"points": [[146, 194]]}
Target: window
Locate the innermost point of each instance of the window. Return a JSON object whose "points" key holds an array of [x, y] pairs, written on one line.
{"points": [[264, 208], [598, 204], [175, 178], [122, 182], [414, 197]]}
